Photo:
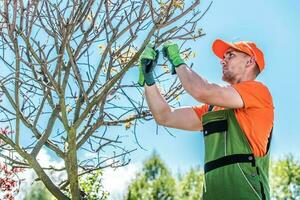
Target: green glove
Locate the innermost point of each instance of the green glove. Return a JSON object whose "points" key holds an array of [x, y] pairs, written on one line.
{"points": [[171, 51], [147, 62]]}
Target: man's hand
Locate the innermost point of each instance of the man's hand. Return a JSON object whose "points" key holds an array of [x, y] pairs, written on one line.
{"points": [[147, 62], [171, 51]]}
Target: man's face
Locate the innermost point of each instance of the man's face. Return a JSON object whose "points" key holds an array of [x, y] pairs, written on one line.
{"points": [[233, 65]]}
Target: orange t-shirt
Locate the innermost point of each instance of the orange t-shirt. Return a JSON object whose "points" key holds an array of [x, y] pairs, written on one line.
{"points": [[255, 118]]}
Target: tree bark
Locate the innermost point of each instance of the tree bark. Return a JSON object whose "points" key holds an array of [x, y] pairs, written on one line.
{"points": [[71, 164]]}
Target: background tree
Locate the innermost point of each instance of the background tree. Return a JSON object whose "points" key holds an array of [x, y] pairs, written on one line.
{"points": [[190, 185], [9, 179], [38, 191], [153, 182], [285, 178], [67, 77]]}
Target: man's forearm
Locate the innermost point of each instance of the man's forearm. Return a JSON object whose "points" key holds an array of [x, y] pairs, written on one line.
{"points": [[157, 103], [194, 84]]}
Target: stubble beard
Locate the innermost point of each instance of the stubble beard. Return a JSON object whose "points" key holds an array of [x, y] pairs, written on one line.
{"points": [[227, 77]]}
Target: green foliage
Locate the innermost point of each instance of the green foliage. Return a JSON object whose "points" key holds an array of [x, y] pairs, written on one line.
{"points": [[38, 191], [285, 179], [91, 185], [190, 186], [153, 182]]}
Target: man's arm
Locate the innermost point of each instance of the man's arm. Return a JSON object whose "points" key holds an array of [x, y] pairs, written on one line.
{"points": [[198, 87], [182, 118], [208, 93]]}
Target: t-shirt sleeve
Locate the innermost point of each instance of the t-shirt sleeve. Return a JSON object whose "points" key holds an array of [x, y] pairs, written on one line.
{"points": [[200, 110], [254, 94]]}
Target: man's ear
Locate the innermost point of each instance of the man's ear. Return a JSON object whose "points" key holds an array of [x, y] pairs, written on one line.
{"points": [[251, 61]]}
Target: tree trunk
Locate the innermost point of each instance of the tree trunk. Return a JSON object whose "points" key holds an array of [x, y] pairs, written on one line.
{"points": [[71, 164]]}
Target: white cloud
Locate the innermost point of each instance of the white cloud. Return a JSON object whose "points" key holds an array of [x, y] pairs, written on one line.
{"points": [[116, 181], [29, 176]]}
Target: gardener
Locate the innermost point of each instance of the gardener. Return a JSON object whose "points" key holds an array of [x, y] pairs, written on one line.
{"points": [[236, 120]]}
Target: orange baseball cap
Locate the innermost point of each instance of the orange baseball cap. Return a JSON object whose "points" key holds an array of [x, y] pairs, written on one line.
{"points": [[219, 47]]}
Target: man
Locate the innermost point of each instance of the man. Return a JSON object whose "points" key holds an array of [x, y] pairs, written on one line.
{"points": [[236, 120]]}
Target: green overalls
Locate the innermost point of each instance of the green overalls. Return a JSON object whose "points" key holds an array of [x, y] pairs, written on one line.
{"points": [[231, 170]]}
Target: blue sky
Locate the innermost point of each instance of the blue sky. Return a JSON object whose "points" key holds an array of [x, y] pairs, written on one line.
{"points": [[274, 26]]}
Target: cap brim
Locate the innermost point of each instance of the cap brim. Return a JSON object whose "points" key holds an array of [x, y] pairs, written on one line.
{"points": [[219, 47]]}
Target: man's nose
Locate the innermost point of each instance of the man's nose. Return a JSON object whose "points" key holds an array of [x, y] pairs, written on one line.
{"points": [[223, 62]]}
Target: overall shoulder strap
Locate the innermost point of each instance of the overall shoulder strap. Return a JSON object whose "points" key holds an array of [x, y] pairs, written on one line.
{"points": [[269, 141], [210, 108]]}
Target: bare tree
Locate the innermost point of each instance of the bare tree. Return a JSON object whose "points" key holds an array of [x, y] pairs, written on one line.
{"points": [[65, 78]]}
